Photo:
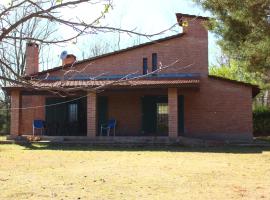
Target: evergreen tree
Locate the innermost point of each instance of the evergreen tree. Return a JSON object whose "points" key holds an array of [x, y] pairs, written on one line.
{"points": [[243, 27]]}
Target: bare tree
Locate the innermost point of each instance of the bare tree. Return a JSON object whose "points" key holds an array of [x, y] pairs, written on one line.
{"points": [[13, 51], [46, 11], [98, 48]]}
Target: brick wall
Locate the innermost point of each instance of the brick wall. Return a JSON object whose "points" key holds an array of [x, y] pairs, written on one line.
{"points": [[28, 115], [91, 115], [125, 108], [15, 115], [173, 112], [191, 48], [219, 110]]}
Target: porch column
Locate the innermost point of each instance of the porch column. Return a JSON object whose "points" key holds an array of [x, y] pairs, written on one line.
{"points": [[15, 113], [91, 114], [173, 112]]}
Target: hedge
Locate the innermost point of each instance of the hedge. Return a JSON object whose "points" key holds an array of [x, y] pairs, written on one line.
{"points": [[261, 121]]}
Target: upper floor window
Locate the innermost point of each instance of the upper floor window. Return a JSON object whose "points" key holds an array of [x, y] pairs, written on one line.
{"points": [[154, 61], [145, 67]]}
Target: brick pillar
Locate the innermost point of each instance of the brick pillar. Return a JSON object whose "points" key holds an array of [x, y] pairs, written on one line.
{"points": [[92, 114], [15, 113], [173, 112]]}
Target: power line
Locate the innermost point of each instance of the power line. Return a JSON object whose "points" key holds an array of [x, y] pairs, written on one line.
{"points": [[68, 101], [72, 100]]}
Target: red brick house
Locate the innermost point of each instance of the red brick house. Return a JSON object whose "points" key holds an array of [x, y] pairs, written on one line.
{"points": [[181, 100]]}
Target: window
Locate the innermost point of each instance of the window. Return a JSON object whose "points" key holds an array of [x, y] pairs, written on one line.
{"points": [[154, 61], [162, 117], [145, 67], [72, 112]]}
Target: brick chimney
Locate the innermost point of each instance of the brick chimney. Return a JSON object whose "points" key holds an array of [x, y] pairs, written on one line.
{"points": [[192, 24], [31, 58], [69, 60]]}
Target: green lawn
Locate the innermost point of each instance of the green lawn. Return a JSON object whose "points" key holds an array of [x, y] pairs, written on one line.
{"points": [[74, 172]]}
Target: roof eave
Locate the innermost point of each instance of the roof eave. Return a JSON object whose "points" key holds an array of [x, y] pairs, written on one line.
{"points": [[255, 88]]}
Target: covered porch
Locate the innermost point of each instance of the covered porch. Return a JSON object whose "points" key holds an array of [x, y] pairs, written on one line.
{"points": [[143, 113], [140, 110]]}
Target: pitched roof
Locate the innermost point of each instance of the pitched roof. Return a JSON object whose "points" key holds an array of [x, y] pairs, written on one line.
{"points": [[255, 88], [110, 54]]}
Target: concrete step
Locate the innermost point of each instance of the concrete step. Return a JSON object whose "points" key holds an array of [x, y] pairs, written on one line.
{"points": [[130, 141]]}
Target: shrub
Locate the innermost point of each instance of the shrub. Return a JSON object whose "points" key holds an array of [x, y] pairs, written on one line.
{"points": [[261, 121], [4, 120]]}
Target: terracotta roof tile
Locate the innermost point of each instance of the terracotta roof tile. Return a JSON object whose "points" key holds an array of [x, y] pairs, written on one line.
{"points": [[135, 83], [111, 83]]}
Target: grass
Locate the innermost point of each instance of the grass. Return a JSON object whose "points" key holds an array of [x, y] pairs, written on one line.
{"points": [[75, 172], [3, 137]]}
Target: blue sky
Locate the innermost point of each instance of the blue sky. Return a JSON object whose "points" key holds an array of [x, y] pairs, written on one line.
{"points": [[146, 16]]}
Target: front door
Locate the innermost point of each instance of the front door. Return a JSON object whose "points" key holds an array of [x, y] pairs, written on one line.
{"points": [[102, 111], [66, 117], [155, 115], [181, 115], [162, 118]]}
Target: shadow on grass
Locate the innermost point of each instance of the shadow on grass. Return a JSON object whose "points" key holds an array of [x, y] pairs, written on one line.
{"points": [[264, 139], [90, 147]]}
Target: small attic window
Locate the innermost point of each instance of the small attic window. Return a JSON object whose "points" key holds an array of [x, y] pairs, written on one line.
{"points": [[154, 61], [145, 66]]}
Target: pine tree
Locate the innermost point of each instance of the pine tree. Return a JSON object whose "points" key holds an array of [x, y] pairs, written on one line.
{"points": [[243, 27]]}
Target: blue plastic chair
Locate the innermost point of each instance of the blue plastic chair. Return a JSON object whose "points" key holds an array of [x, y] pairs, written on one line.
{"points": [[38, 124], [110, 125]]}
